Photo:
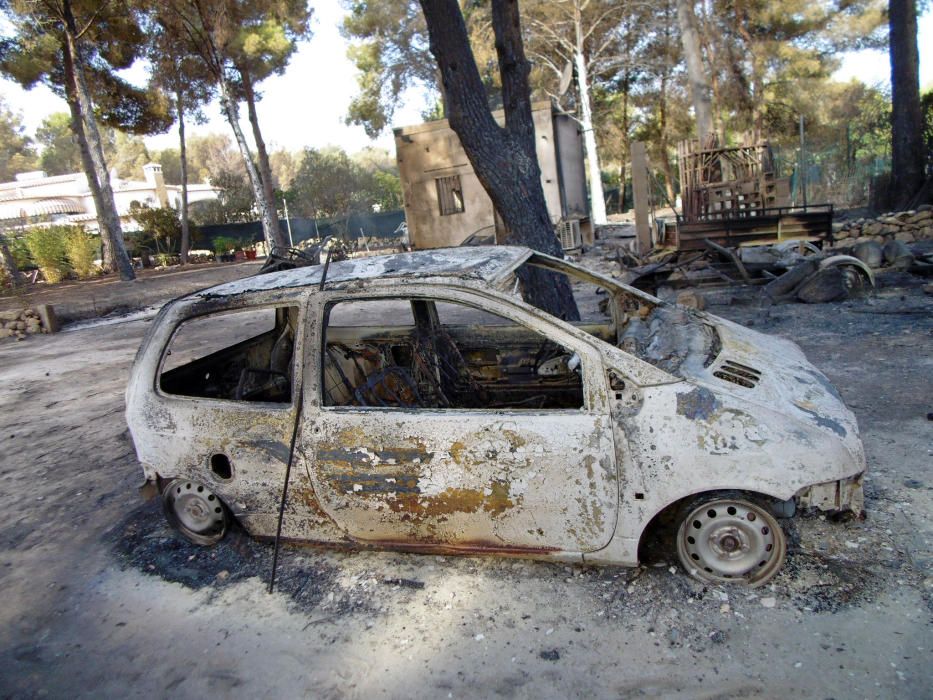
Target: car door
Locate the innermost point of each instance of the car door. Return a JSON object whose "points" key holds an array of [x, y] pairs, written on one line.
{"points": [[223, 407], [391, 464]]}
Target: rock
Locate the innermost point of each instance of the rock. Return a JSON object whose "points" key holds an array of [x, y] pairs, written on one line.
{"points": [[904, 236], [550, 655], [9, 315], [898, 255], [691, 299], [925, 207], [46, 313], [18, 326], [871, 229], [768, 602], [919, 217], [869, 252], [5, 332]]}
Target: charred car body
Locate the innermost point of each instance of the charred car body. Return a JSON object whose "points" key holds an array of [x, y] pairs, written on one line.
{"points": [[431, 409]]}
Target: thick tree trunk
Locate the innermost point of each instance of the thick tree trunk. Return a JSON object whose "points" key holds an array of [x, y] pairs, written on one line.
{"points": [[121, 260], [77, 129], [262, 155], [907, 151], [503, 158], [270, 225], [183, 158], [699, 84]]}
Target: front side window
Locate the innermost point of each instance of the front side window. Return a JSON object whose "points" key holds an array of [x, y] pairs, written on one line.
{"points": [[245, 355], [437, 354]]}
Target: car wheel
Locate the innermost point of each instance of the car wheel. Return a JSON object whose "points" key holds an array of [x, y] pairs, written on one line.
{"points": [[731, 540], [193, 510]]}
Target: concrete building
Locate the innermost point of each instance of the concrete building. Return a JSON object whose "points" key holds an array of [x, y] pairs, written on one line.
{"points": [[66, 199], [445, 203]]}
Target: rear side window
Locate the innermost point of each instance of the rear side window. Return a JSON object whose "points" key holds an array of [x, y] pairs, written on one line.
{"points": [[245, 355]]}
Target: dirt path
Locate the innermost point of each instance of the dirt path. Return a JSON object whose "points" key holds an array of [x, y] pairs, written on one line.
{"points": [[100, 599], [98, 297]]}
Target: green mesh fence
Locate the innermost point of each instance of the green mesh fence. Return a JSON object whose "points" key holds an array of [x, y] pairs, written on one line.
{"points": [[830, 176]]}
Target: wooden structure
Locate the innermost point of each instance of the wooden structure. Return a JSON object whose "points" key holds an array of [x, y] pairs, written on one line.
{"points": [[731, 196]]}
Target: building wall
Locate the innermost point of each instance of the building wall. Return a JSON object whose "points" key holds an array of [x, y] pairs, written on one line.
{"points": [[429, 151]]}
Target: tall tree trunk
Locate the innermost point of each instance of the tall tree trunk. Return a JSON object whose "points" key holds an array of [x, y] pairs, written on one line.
{"points": [[270, 225], [87, 163], [597, 198], [121, 260], [183, 157], [664, 142], [8, 263], [907, 151], [699, 84], [262, 155], [503, 158]]}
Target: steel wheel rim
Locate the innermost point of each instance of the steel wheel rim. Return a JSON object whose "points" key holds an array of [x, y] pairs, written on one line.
{"points": [[731, 541], [195, 511]]}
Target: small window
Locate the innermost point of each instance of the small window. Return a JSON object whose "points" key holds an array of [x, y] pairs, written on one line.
{"points": [[449, 195], [433, 354], [245, 355]]}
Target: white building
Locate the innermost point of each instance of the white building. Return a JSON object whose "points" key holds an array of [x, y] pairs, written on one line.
{"points": [[66, 199]]}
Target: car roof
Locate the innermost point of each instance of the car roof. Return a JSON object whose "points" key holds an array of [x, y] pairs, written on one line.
{"points": [[488, 263]]}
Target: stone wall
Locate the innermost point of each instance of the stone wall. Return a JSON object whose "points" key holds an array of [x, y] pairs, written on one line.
{"points": [[906, 226], [19, 324]]}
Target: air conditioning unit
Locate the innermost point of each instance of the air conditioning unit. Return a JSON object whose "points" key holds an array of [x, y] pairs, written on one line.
{"points": [[568, 232]]}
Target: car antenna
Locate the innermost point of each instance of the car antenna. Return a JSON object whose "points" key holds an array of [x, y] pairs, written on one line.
{"points": [[320, 287], [291, 454]]}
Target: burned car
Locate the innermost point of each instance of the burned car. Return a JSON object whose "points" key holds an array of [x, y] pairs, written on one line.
{"points": [[420, 404]]}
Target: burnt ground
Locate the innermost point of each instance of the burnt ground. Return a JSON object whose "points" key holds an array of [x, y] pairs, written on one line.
{"points": [[100, 598]]}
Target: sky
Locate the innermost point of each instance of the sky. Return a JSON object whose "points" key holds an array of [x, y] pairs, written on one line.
{"points": [[307, 105]]}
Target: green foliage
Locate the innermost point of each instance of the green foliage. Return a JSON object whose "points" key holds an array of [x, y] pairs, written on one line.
{"points": [[129, 157], [235, 203], [390, 50], [926, 106], [47, 249], [224, 244], [81, 251], [161, 227], [17, 153]]}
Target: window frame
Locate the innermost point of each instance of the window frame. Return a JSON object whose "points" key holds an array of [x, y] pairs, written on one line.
{"points": [[590, 355], [200, 313], [445, 193]]}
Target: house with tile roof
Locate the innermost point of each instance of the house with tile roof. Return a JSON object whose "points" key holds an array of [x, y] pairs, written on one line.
{"points": [[35, 197]]}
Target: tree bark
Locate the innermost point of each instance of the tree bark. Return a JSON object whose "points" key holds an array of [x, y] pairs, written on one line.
{"points": [[699, 84], [597, 198], [8, 263], [262, 154], [907, 151], [77, 128], [270, 225], [120, 259], [183, 158], [503, 158]]}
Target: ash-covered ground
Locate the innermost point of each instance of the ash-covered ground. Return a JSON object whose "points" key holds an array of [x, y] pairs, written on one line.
{"points": [[101, 598]]}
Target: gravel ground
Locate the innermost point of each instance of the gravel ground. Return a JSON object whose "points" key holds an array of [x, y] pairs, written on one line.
{"points": [[101, 598]]}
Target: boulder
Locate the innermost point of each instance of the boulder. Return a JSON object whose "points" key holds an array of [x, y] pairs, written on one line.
{"points": [[9, 316], [898, 255], [869, 252]]}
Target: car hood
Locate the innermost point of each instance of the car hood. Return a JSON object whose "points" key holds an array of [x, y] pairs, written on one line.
{"points": [[774, 373]]}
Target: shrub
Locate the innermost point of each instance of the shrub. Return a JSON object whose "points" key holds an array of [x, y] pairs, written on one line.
{"points": [[81, 251], [223, 244], [47, 249]]}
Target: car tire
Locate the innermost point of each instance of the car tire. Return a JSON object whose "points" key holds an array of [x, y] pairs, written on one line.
{"points": [[195, 511], [730, 539]]}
